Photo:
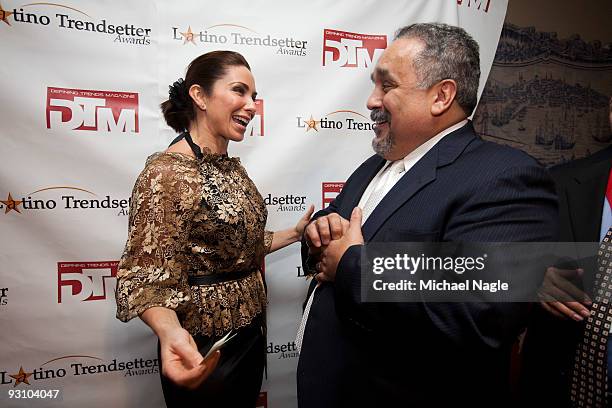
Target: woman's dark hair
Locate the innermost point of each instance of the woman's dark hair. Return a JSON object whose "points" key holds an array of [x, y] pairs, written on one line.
{"points": [[205, 70]]}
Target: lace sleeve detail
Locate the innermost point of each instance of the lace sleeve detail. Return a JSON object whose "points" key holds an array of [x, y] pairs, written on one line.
{"points": [[150, 273], [268, 237]]}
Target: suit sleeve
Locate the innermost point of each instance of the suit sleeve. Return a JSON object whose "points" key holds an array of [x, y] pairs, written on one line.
{"points": [[519, 205]]}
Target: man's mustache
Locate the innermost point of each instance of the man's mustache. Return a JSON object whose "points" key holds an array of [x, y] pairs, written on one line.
{"points": [[379, 115]]}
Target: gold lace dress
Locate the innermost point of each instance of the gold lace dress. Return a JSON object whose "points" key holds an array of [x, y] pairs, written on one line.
{"points": [[194, 217]]}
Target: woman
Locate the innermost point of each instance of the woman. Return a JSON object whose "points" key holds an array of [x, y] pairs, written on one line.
{"points": [[196, 242]]}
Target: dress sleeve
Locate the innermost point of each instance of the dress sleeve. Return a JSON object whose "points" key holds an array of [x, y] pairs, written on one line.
{"points": [[150, 271], [268, 237]]}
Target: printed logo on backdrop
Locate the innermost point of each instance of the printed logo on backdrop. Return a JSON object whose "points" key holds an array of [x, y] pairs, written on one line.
{"points": [[282, 351], [476, 4], [256, 125], [86, 281], [68, 18], [342, 119], [262, 400], [351, 50], [63, 198], [3, 296], [329, 191], [287, 202], [300, 272], [77, 366], [240, 36], [89, 110]]}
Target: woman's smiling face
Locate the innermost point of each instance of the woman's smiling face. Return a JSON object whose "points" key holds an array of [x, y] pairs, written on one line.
{"points": [[231, 104]]}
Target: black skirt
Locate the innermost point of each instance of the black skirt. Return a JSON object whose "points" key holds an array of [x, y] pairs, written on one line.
{"points": [[236, 380]]}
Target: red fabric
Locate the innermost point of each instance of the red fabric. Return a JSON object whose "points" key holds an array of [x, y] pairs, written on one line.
{"points": [[609, 189]]}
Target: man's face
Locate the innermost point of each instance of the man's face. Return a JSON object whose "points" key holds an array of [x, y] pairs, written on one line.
{"points": [[400, 110]]}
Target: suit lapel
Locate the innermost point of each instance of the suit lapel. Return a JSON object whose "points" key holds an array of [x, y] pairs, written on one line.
{"points": [[585, 201], [421, 174]]}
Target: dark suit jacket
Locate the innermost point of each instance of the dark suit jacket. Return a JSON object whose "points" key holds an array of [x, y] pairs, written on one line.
{"points": [[550, 343], [426, 354]]}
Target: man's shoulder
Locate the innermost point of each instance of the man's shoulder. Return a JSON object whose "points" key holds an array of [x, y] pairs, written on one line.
{"points": [[371, 162], [567, 170], [497, 158]]}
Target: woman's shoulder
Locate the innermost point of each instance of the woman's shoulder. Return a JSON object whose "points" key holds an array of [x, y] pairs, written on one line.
{"points": [[169, 161], [169, 166], [170, 175]]}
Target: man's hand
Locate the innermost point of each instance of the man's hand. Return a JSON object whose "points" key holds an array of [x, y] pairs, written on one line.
{"points": [[560, 297], [330, 257], [323, 230], [182, 362]]}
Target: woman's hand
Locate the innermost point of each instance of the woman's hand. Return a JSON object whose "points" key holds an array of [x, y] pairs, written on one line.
{"points": [[290, 235], [299, 227], [182, 362]]}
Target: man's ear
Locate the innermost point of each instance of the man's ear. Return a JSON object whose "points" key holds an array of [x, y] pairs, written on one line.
{"points": [[198, 96], [443, 94]]}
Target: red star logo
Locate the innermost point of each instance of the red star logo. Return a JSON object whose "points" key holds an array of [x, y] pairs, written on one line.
{"points": [[21, 377], [188, 36], [312, 124], [4, 15], [11, 204]]}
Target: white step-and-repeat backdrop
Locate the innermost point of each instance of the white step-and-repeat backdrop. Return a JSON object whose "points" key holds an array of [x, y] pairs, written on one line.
{"points": [[81, 84]]}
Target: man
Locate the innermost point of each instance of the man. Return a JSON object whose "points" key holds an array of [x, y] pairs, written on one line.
{"points": [[557, 328], [432, 179]]}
